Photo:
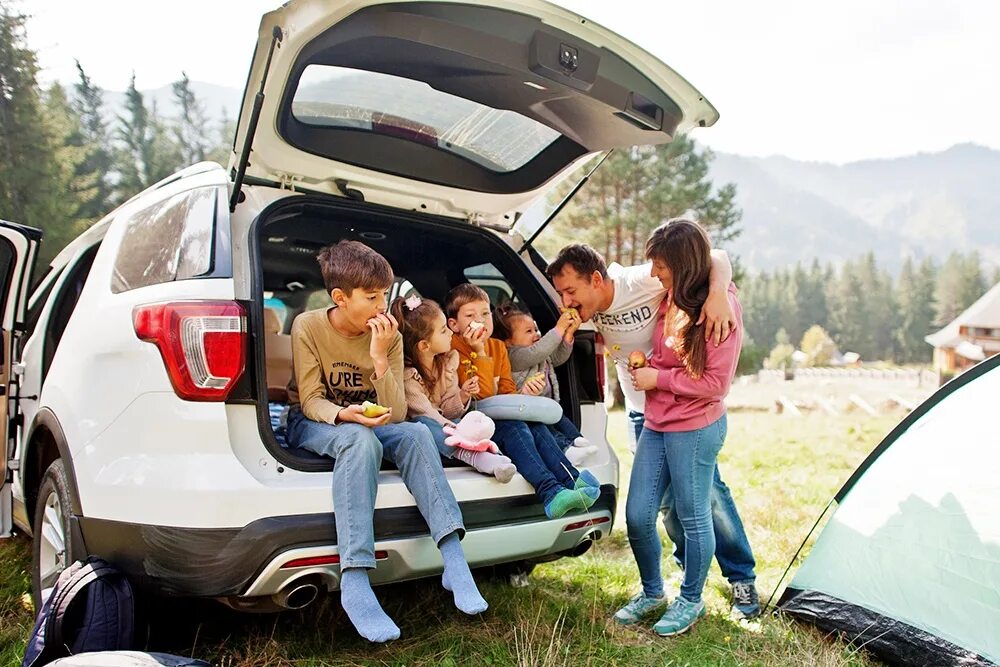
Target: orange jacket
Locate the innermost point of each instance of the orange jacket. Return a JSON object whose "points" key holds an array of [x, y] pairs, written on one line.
{"points": [[493, 368]]}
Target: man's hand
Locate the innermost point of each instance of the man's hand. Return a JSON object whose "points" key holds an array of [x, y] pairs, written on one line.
{"points": [[718, 316], [354, 414], [533, 386], [384, 327], [475, 338], [644, 379], [471, 386]]}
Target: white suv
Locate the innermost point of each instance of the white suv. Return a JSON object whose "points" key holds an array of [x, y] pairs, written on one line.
{"points": [[144, 376]]}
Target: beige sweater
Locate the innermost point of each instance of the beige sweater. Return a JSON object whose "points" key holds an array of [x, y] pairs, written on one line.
{"points": [[446, 403], [333, 371]]}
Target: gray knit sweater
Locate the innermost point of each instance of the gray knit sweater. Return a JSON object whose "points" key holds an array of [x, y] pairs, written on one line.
{"points": [[526, 360]]}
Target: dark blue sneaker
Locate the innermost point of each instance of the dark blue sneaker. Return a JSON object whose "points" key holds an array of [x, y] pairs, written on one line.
{"points": [[746, 603]]}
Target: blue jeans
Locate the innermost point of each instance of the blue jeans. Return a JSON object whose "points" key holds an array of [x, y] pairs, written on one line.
{"points": [[535, 454], [685, 460], [358, 451], [564, 432], [732, 547], [438, 434]]}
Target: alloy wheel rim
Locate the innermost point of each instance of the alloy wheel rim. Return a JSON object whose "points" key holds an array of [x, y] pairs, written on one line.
{"points": [[52, 552]]}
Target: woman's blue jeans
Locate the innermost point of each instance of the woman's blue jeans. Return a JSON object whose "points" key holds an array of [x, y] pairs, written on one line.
{"points": [[535, 454], [686, 462], [732, 547], [358, 451]]}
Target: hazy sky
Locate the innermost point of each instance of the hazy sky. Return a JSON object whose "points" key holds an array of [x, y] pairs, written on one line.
{"points": [[844, 81]]}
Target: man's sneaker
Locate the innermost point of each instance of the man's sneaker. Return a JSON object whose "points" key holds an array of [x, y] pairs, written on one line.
{"points": [[638, 608], [679, 617], [746, 603]]}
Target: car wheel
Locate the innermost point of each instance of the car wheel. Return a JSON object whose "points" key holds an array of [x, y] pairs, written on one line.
{"points": [[52, 551]]}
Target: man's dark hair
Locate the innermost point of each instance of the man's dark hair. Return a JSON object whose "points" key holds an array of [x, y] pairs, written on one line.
{"points": [[581, 257], [351, 265]]}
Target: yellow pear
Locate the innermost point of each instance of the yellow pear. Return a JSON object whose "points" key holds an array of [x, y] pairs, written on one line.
{"points": [[369, 409]]}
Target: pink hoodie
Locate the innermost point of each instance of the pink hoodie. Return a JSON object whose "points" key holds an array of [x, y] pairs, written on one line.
{"points": [[679, 402]]}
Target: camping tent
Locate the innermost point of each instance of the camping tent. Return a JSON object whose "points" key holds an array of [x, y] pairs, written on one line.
{"points": [[909, 562]]}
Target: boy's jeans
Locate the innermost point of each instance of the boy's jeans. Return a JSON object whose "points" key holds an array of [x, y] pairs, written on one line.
{"points": [[536, 456], [685, 460], [564, 432], [732, 548], [358, 451]]}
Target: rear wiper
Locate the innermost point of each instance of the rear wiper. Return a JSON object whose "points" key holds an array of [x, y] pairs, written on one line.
{"points": [[562, 204], [258, 102]]}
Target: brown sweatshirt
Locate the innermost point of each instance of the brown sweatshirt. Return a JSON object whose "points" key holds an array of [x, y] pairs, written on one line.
{"points": [[333, 371]]}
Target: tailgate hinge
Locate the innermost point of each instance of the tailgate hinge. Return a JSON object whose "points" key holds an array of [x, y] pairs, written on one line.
{"points": [[287, 181]]}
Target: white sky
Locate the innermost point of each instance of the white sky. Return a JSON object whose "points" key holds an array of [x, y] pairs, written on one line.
{"points": [[844, 81]]}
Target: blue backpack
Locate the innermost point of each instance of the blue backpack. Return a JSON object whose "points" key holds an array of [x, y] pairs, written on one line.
{"points": [[91, 608]]}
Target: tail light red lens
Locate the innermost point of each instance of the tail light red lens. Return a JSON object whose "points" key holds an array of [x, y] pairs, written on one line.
{"points": [[203, 344]]}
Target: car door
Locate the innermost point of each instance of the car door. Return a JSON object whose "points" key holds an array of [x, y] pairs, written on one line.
{"points": [[18, 248]]}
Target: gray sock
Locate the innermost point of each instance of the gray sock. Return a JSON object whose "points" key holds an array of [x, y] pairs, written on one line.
{"points": [[358, 600], [458, 579]]}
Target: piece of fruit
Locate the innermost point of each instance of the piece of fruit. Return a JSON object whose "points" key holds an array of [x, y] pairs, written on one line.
{"points": [[636, 359], [536, 376], [372, 410], [571, 310], [476, 326]]}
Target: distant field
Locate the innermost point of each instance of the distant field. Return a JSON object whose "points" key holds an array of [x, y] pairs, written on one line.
{"points": [[782, 471]]}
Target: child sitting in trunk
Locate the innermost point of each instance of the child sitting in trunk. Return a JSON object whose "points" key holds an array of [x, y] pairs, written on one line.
{"points": [[430, 380], [530, 446], [533, 357]]}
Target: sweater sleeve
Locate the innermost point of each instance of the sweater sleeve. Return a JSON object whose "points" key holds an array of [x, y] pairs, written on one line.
{"points": [[453, 405], [418, 403], [501, 364], [389, 387], [309, 377], [524, 357]]}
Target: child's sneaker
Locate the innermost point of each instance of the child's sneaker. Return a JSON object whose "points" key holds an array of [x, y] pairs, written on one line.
{"points": [[679, 617], [638, 608], [746, 603]]}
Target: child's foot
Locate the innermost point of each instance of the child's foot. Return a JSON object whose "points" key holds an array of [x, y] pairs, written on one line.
{"points": [[580, 451], [366, 614], [565, 501], [488, 463], [590, 495], [587, 478], [458, 579]]}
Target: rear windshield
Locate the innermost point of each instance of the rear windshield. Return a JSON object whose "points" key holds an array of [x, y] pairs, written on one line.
{"points": [[499, 140]]}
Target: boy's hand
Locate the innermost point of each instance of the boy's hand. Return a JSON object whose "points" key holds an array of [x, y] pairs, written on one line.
{"points": [[384, 328], [471, 386], [533, 386], [354, 414], [718, 317], [644, 379], [475, 338]]}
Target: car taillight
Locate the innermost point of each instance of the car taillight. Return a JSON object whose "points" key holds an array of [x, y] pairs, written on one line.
{"points": [[203, 344], [601, 366]]}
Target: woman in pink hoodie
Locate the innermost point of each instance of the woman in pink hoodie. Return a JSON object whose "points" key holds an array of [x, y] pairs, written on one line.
{"points": [[685, 382]]}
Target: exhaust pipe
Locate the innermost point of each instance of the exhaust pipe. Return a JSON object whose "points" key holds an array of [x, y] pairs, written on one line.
{"points": [[296, 595]]}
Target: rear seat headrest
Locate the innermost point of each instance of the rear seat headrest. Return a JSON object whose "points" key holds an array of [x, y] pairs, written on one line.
{"points": [[272, 323]]}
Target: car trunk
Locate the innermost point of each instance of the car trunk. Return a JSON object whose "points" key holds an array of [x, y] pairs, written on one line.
{"points": [[429, 254]]}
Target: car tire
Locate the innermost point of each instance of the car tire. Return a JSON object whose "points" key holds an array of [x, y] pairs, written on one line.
{"points": [[51, 548]]}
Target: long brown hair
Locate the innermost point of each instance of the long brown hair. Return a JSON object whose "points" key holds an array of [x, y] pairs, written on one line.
{"points": [[686, 250], [417, 324]]}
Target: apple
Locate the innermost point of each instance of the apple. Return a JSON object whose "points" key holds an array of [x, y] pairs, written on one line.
{"points": [[372, 410], [636, 359]]}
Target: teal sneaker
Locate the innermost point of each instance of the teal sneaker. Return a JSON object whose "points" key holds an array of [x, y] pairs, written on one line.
{"points": [[679, 617], [638, 608]]}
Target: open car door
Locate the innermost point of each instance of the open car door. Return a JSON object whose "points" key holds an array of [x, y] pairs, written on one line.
{"points": [[18, 248]]}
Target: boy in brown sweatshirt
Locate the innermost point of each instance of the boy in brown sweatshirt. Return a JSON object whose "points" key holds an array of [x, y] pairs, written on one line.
{"points": [[344, 355]]}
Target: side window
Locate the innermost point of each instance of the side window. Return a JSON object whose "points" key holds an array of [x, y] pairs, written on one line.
{"points": [[170, 240], [489, 278], [39, 298]]}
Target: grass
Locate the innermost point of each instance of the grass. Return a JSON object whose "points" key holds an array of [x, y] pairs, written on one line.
{"points": [[782, 470]]}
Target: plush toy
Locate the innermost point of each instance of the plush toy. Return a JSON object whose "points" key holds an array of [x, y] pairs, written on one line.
{"points": [[472, 433]]}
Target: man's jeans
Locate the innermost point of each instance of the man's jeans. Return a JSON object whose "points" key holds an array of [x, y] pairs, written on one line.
{"points": [[732, 548], [685, 460], [358, 451], [536, 456]]}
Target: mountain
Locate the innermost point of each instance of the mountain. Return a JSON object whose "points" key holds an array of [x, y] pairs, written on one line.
{"points": [[218, 101], [922, 205]]}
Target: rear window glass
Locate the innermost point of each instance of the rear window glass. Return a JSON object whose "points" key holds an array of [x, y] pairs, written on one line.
{"points": [[341, 97], [170, 240]]}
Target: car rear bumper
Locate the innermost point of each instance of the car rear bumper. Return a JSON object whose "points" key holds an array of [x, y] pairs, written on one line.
{"points": [[247, 561]]}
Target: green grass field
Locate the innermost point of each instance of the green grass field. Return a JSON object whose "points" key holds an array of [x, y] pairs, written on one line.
{"points": [[782, 471]]}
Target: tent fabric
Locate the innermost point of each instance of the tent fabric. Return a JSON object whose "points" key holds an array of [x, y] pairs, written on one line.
{"points": [[889, 639], [915, 537]]}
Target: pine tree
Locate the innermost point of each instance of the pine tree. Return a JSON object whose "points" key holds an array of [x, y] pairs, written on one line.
{"points": [[135, 139], [96, 167], [916, 311], [191, 124]]}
